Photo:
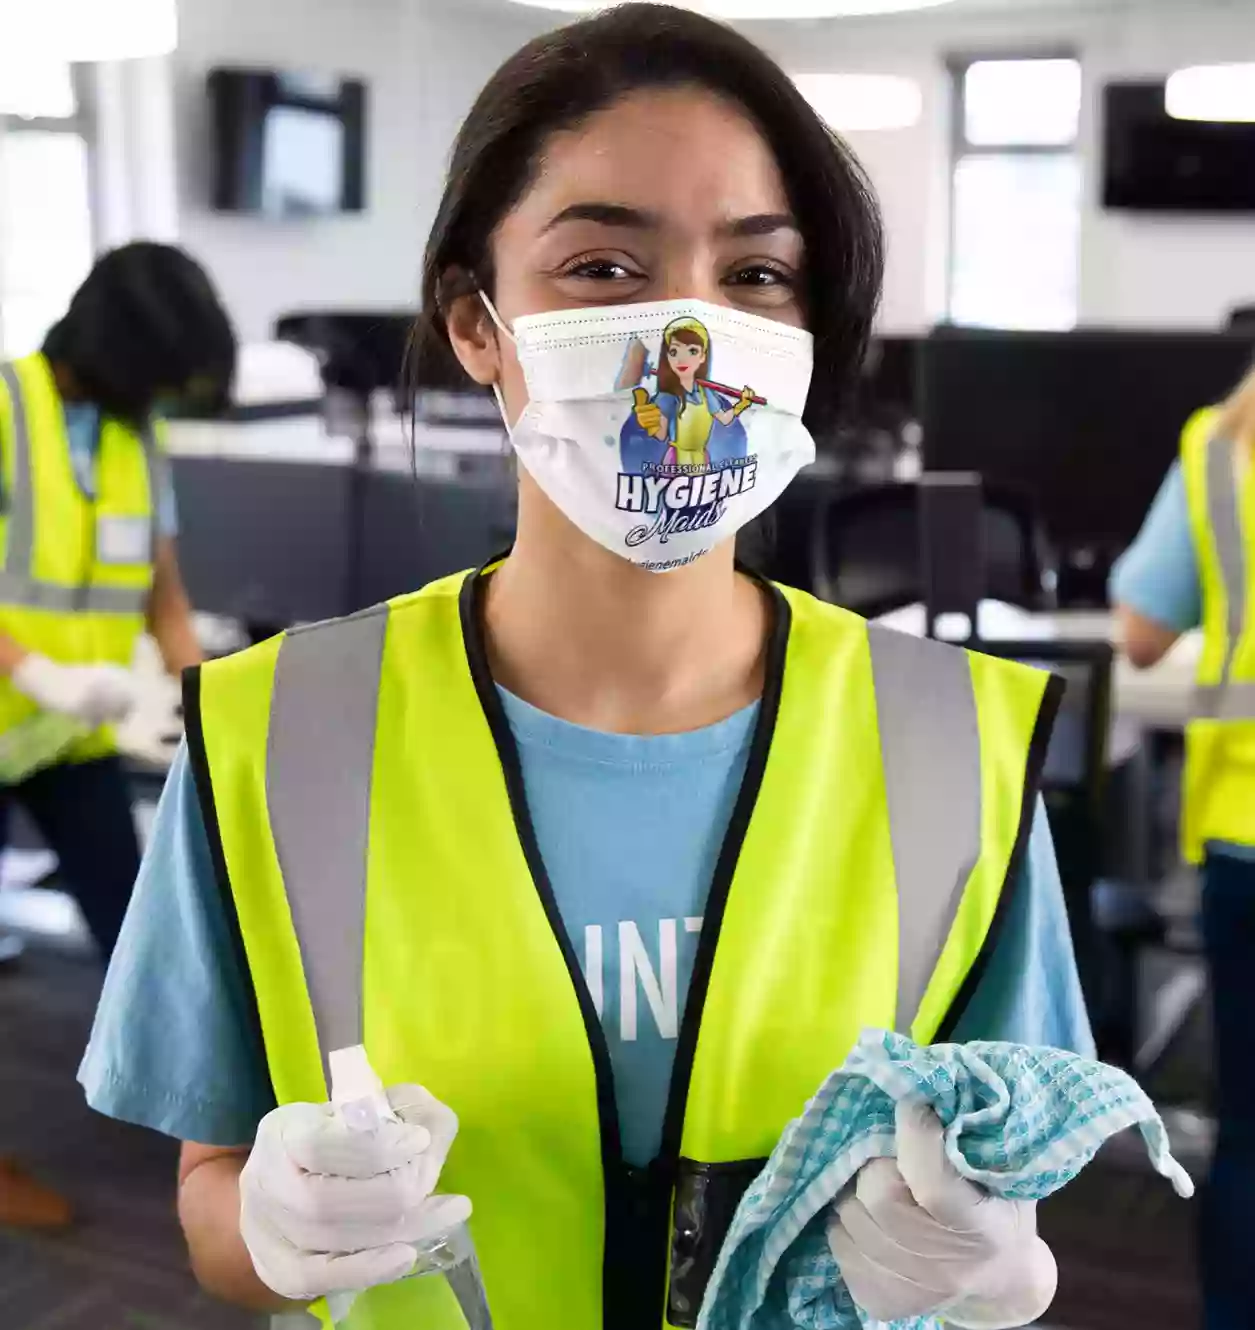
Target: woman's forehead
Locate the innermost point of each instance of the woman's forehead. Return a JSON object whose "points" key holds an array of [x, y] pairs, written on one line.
{"points": [[673, 155]]}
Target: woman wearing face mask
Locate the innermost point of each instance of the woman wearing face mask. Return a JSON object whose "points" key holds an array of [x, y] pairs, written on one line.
{"points": [[1192, 565], [613, 847]]}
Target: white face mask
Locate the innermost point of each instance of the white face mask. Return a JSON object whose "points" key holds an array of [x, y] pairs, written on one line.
{"points": [[661, 429]]}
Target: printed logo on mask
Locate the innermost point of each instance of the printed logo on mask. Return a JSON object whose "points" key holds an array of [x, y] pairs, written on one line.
{"points": [[683, 448], [691, 459]]}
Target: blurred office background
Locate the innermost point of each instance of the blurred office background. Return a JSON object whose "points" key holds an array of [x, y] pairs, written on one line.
{"points": [[1068, 268]]}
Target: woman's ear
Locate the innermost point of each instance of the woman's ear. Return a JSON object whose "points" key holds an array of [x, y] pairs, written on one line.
{"points": [[473, 337]]}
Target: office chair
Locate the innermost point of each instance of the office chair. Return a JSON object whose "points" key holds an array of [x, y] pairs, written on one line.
{"points": [[360, 352], [865, 550], [1241, 319]]}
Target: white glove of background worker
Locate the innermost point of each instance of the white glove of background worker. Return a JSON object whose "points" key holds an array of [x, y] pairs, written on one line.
{"points": [[326, 1209], [916, 1239], [93, 694]]}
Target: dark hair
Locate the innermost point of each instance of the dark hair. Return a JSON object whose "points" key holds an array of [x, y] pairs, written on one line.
{"points": [[561, 78], [146, 320]]}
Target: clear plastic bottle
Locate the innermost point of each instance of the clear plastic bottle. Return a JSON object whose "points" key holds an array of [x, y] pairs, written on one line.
{"points": [[358, 1093]]}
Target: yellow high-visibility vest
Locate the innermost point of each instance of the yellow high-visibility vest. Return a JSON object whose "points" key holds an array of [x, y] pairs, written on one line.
{"points": [[368, 821], [1218, 803], [75, 571]]}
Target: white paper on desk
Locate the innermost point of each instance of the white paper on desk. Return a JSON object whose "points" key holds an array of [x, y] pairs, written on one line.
{"points": [[995, 620]]}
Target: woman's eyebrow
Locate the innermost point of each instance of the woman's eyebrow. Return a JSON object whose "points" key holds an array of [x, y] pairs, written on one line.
{"points": [[760, 224], [607, 214]]}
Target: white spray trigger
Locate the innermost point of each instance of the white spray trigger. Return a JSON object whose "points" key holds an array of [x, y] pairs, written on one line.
{"points": [[357, 1091]]}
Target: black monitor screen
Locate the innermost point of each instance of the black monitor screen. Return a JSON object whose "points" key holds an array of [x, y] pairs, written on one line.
{"points": [[1084, 425], [1153, 162], [287, 145]]}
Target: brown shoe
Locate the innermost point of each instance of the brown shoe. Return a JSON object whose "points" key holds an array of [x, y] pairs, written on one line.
{"points": [[25, 1203]]}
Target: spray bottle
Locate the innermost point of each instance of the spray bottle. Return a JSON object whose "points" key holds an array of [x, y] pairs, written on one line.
{"points": [[358, 1093]]}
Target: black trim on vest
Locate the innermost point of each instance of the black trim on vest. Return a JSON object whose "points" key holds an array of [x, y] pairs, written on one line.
{"points": [[638, 1220], [198, 761], [1036, 761]]}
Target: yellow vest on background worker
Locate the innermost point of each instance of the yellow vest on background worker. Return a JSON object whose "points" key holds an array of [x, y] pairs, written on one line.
{"points": [[75, 571], [365, 804], [1218, 803]]}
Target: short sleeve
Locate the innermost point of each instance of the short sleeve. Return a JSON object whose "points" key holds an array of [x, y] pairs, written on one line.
{"points": [[167, 508], [174, 1046], [1031, 991], [1157, 576], [165, 505]]}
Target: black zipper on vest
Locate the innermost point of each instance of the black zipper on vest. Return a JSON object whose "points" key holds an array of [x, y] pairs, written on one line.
{"points": [[638, 1200]]}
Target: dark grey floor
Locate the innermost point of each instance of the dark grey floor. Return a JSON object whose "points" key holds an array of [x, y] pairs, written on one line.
{"points": [[123, 1264]]}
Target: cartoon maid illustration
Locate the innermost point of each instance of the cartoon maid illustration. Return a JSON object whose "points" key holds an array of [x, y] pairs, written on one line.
{"points": [[684, 410]]}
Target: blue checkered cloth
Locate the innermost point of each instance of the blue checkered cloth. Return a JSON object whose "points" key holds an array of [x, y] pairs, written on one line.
{"points": [[1019, 1121]]}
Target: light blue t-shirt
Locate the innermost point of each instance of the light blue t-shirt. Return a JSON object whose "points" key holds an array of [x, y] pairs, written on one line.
{"points": [[173, 1046], [1158, 574], [82, 427], [1158, 577]]}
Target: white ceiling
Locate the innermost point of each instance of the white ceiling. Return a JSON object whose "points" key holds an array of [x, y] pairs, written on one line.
{"points": [[956, 7]]}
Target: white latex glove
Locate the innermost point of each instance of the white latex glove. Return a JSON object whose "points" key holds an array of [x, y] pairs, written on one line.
{"points": [[94, 694], [325, 1209], [916, 1239]]}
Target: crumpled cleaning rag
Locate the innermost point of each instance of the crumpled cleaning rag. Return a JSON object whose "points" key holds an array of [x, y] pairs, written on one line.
{"points": [[1019, 1121]]}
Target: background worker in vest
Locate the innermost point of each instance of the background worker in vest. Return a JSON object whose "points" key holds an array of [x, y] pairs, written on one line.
{"points": [[89, 563], [645, 155], [1193, 564]]}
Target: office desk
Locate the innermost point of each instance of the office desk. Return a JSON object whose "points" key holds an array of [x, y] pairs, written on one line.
{"points": [[1157, 698], [278, 526]]}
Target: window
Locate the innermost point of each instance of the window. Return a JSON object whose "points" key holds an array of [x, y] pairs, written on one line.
{"points": [[45, 208], [1016, 194]]}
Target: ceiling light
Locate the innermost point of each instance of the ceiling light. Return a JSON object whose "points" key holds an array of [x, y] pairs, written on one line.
{"points": [[755, 9], [863, 101], [1212, 92], [90, 29]]}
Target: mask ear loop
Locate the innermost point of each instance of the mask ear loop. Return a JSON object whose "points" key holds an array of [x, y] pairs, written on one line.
{"points": [[501, 328]]}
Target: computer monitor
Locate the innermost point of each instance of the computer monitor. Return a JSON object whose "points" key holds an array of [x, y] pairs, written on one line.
{"points": [[889, 381], [1083, 424]]}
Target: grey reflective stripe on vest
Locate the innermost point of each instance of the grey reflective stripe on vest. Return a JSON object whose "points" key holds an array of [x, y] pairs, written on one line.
{"points": [[930, 749], [1227, 700], [319, 758], [297, 1320], [20, 500], [36, 595], [17, 585]]}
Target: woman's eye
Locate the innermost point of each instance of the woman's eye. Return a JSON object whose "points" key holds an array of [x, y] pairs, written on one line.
{"points": [[601, 270], [760, 274]]}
